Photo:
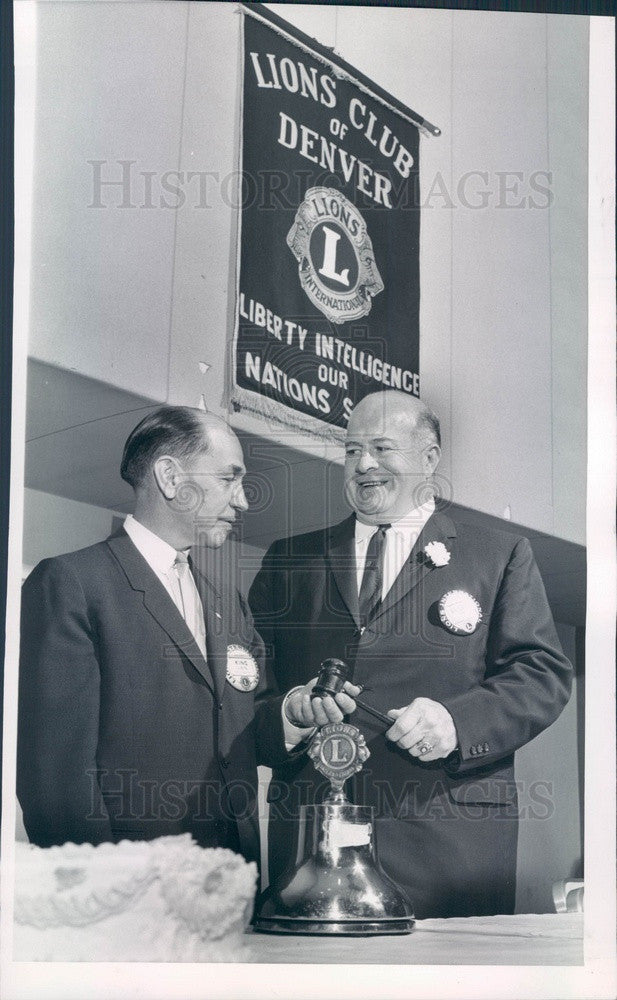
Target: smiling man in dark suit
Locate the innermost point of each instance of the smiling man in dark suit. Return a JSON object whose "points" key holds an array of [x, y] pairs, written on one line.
{"points": [[141, 689], [449, 632]]}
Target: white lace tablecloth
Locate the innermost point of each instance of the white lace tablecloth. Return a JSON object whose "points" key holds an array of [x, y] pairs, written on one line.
{"points": [[525, 939]]}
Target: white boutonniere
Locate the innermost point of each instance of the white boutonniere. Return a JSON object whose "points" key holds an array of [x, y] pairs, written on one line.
{"points": [[437, 553]]}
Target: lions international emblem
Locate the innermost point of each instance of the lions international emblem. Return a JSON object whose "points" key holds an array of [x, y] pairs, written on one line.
{"points": [[338, 750], [460, 613], [335, 258]]}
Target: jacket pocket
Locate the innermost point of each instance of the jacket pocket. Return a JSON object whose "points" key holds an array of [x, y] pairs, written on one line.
{"points": [[491, 791]]}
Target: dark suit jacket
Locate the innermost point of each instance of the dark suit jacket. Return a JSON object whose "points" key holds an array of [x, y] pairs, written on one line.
{"points": [[125, 731], [446, 831]]}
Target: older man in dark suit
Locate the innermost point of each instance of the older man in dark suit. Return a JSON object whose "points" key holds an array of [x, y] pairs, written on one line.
{"points": [[449, 632], [141, 673]]}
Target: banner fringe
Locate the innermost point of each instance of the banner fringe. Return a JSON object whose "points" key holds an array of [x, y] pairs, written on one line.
{"points": [[271, 409]]}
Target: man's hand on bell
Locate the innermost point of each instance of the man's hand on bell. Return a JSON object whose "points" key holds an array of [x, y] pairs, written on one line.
{"points": [[424, 728]]}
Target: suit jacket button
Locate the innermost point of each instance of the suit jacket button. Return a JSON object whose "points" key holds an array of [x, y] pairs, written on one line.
{"points": [[473, 751], [486, 748], [220, 704], [224, 763]]}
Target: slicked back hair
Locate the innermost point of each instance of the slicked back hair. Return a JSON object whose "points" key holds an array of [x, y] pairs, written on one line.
{"points": [[170, 430]]}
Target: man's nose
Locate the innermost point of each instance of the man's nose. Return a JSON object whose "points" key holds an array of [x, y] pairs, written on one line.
{"points": [[239, 501], [366, 461]]}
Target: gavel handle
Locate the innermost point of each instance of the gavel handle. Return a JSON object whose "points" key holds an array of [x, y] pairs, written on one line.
{"points": [[374, 712]]}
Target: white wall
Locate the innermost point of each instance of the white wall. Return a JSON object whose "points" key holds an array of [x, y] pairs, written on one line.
{"points": [[501, 336], [567, 145], [549, 772], [140, 296], [54, 525], [109, 87]]}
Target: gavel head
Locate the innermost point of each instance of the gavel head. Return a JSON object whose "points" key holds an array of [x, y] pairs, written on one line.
{"points": [[332, 676]]}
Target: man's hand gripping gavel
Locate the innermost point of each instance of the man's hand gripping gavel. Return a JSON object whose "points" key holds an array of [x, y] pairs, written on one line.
{"points": [[328, 698], [424, 728], [334, 676]]}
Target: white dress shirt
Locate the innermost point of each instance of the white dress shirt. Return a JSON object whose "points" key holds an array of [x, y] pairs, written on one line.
{"points": [[400, 540], [161, 558]]}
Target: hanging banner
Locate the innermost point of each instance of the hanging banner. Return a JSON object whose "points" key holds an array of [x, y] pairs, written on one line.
{"points": [[328, 283]]}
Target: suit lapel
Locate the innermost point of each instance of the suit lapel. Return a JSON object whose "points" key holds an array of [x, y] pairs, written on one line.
{"points": [[438, 528], [217, 611], [342, 560], [158, 602]]}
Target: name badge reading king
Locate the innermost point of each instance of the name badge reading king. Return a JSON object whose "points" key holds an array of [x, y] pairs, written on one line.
{"points": [[242, 670]]}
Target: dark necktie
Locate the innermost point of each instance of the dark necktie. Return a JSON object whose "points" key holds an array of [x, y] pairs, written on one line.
{"points": [[372, 578]]}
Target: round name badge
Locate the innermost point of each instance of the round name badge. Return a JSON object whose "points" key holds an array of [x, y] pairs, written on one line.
{"points": [[242, 670], [459, 612]]}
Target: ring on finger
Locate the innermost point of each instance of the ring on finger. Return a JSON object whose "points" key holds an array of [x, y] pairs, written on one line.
{"points": [[425, 748]]}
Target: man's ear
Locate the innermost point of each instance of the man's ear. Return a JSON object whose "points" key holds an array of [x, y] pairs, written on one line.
{"points": [[166, 475], [430, 459]]}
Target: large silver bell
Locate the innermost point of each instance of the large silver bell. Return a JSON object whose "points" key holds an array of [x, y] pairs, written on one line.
{"points": [[337, 885]]}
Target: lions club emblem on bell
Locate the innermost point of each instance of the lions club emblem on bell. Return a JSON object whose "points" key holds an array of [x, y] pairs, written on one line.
{"points": [[338, 750]]}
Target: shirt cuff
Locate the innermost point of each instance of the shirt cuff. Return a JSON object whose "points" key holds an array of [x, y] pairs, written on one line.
{"points": [[294, 734]]}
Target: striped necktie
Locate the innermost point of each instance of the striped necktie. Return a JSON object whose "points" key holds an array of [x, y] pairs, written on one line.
{"points": [[372, 578]]}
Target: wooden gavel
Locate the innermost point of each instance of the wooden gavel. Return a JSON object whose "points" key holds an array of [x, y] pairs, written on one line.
{"points": [[331, 680]]}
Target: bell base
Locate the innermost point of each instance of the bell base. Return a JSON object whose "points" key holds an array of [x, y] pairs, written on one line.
{"points": [[360, 927]]}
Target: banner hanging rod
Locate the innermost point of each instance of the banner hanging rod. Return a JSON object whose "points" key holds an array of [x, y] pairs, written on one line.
{"points": [[258, 11]]}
